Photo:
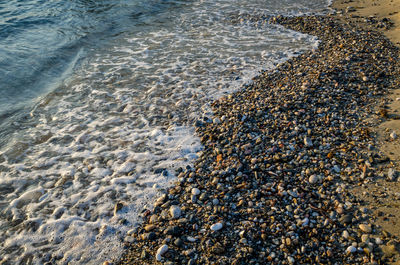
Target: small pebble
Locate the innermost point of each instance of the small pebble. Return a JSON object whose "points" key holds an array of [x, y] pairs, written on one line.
{"points": [[216, 227], [161, 251]]}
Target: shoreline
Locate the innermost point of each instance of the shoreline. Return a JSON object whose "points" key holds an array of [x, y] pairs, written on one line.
{"points": [[259, 192]]}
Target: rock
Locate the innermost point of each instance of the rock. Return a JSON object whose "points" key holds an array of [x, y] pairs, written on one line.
{"points": [[313, 179], [161, 251], [365, 238], [178, 242], [172, 230], [216, 226], [346, 219], [149, 227], [195, 191], [345, 234], [308, 142], [118, 206], [175, 211], [148, 236], [365, 228], [336, 169], [350, 9], [392, 174], [393, 135], [351, 249]]}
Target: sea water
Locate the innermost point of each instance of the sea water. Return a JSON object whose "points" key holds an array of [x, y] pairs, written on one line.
{"points": [[97, 105]]}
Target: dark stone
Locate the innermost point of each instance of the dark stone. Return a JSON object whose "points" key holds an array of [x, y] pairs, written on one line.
{"points": [[346, 219], [172, 230], [178, 242]]}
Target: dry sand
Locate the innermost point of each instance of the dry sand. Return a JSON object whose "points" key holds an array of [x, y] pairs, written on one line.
{"points": [[383, 196], [378, 8]]}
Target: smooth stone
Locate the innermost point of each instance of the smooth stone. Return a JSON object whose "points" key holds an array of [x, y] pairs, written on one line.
{"points": [[172, 230], [365, 228], [195, 191], [308, 142], [175, 211], [365, 238], [313, 179], [161, 251], [346, 219], [345, 234], [149, 228], [351, 249], [393, 135], [216, 227], [178, 242], [392, 174]]}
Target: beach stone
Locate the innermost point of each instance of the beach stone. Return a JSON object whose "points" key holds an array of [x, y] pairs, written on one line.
{"points": [[345, 234], [392, 174], [393, 135], [308, 142], [313, 179], [149, 227], [175, 211], [346, 219], [216, 226], [365, 228], [365, 238], [118, 206], [161, 251], [178, 242], [195, 191], [351, 249], [172, 230]]}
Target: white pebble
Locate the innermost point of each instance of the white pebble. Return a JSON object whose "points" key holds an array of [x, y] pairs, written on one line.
{"points": [[195, 191], [175, 211], [365, 228], [393, 135], [216, 227], [313, 179], [161, 251], [351, 249]]}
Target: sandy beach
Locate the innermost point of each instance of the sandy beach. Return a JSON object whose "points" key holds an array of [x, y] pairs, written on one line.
{"points": [[300, 167], [382, 197]]}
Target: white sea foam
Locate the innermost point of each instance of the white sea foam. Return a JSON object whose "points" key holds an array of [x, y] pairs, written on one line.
{"points": [[122, 126]]}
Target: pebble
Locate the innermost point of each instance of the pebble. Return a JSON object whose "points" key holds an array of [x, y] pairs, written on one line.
{"points": [[161, 251], [216, 226], [308, 142], [393, 135], [351, 249], [195, 191], [175, 211], [365, 228], [392, 174], [313, 179]]}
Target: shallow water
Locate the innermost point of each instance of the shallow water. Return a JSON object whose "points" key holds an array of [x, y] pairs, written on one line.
{"points": [[110, 119]]}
